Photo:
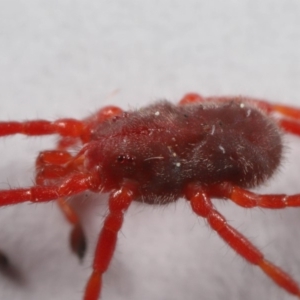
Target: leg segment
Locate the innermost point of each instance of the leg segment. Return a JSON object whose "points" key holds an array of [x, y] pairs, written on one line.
{"points": [[77, 237], [119, 202], [287, 111], [56, 164], [290, 126], [73, 185], [63, 127], [202, 206], [248, 199], [53, 157]]}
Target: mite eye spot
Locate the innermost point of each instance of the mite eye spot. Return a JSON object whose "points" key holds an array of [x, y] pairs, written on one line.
{"points": [[121, 159]]}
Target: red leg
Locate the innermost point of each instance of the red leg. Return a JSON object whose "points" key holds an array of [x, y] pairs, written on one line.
{"points": [[55, 164], [248, 199], [287, 111], [73, 185], [53, 157], [202, 206], [63, 127], [77, 237], [290, 126], [119, 202]]}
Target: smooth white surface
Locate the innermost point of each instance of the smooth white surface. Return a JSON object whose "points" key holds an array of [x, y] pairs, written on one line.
{"points": [[67, 58]]}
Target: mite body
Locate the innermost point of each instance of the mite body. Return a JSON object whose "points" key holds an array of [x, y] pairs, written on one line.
{"points": [[164, 147], [202, 148]]}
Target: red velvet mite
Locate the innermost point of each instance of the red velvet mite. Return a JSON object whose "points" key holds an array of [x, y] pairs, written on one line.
{"points": [[203, 148]]}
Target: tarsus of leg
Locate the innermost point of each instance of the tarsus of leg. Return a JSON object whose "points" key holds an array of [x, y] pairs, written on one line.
{"points": [[202, 206], [119, 202]]}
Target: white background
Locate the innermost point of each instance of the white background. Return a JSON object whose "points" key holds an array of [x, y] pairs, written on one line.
{"points": [[64, 58]]}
